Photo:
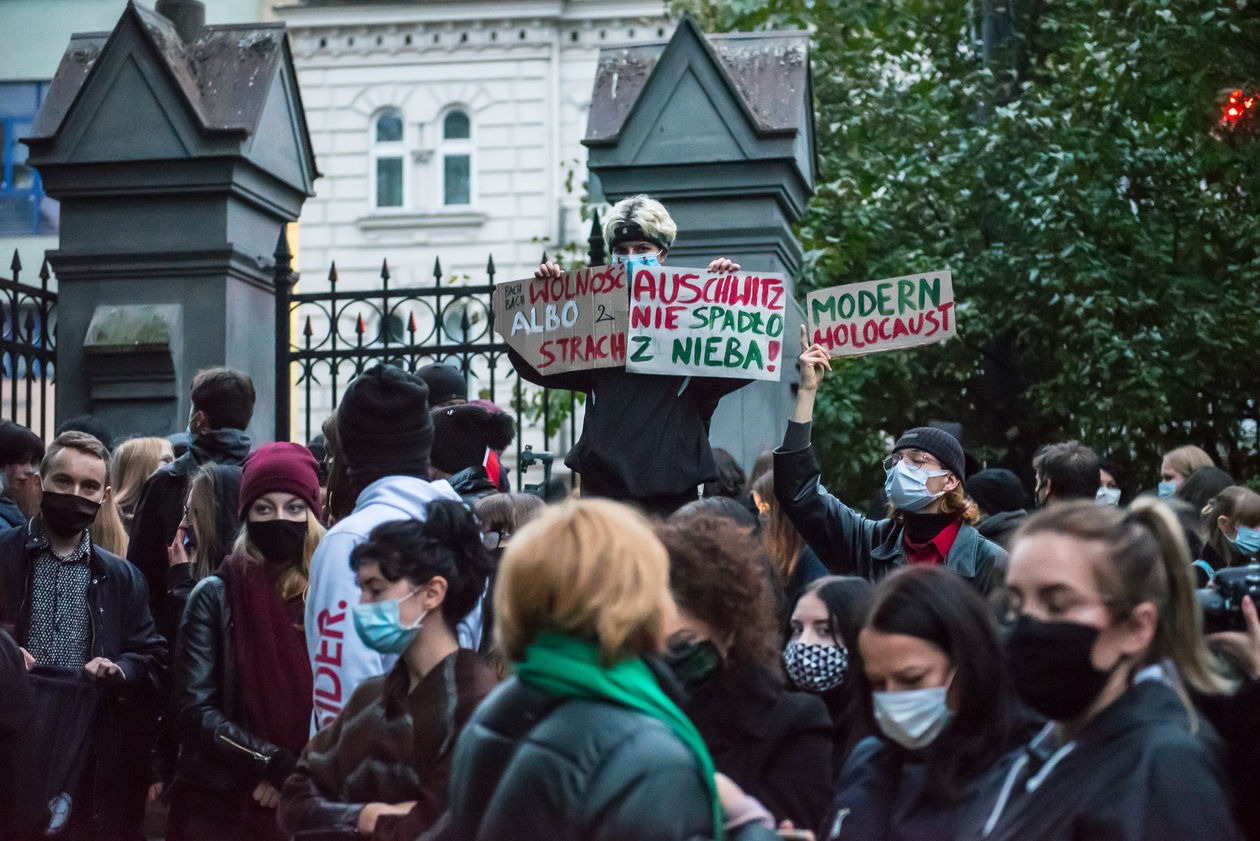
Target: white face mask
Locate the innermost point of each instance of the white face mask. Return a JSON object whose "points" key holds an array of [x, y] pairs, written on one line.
{"points": [[1107, 496], [913, 718], [906, 486]]}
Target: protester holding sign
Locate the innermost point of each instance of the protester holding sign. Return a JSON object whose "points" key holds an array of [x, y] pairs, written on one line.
{"points": [[931, 520], [645, 438]]}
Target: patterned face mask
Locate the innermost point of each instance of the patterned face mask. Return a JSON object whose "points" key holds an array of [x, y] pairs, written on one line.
{"points": [[816, 668]]}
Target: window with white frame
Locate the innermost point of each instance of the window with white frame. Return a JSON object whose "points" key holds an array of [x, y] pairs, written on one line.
{"points": [[455, 155], [388, 160]]}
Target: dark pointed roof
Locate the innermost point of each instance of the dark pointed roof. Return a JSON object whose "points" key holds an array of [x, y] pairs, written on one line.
{"points": [[225, 76], [768, 70]]}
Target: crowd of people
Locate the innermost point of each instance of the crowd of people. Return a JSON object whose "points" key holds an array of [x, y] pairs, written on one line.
{"points": [[372, 636]]}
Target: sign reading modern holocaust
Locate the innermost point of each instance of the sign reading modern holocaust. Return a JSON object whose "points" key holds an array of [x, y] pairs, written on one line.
{"points": [[879, 315]]}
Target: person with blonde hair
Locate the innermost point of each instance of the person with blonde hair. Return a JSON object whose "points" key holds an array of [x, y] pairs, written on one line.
{"points": [[1231, 521], [243, 684], [645, 438], [131, 464], [583, 741], [1176, 467], [930, 521], [1106, 641]]}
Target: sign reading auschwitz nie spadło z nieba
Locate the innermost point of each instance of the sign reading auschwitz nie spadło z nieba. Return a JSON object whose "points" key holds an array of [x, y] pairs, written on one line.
{"points": [[574, 322], [877, 315], [706, 324]]}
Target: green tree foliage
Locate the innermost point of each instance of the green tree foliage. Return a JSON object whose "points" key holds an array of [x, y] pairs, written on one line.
{"points": [[1100, 218]]}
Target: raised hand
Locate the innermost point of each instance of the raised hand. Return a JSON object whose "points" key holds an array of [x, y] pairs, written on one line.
{"points": [[815, 362], [547, 270]]}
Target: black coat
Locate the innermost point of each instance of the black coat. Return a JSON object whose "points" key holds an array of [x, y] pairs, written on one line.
{"points": [[11, 515], [850, 544], [531, 766], [215, 749], [644, 435], [881, 795], [122, 631], [1236, 719], [774, 743], [122, 628], [1000, 527], [17, 712], [161, 506], [1137, 773]]}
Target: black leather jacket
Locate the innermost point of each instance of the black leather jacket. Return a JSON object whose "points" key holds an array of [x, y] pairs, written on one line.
{"points": [[531, 766], [850, 544], [215, 750]]}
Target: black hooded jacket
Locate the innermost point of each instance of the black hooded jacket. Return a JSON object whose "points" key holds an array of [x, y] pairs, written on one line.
{"points": [[1140, 771]]}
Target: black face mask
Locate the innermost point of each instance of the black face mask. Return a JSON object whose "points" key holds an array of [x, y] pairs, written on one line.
{"points": [[67, 514], [280, 541], [692, 662], [1050, 666]]}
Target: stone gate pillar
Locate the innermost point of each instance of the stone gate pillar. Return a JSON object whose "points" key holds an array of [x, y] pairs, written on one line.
{"points": [[720, 129], [177, 151]]}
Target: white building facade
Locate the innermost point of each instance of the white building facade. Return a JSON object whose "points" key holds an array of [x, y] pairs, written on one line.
{"points": [[450, 130]]}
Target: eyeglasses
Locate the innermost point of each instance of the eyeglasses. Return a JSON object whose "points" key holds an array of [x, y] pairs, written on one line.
{"points": [[495, 539], [915, 458]]}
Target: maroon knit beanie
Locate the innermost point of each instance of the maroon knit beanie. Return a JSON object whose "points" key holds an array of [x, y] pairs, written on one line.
{"points": [[281, 467]]}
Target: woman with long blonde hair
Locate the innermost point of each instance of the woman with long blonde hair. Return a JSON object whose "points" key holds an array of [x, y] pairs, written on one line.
{"points": [[242, 699], [132, 462]]}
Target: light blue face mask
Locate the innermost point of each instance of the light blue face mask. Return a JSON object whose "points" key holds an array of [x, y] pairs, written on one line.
{"points": [[651, 258], [379, 625], [1107, 496], [1167, 490], [906, 486], [1247, 541]]}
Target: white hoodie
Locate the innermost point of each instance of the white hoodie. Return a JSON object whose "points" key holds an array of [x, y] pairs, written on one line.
{"points": [[339, 659]]}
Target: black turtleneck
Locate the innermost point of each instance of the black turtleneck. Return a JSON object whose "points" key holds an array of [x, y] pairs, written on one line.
{"points": [[920, 528]]}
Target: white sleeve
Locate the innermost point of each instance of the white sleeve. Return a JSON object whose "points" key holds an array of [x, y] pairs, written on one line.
{"points": [[339, 659]]}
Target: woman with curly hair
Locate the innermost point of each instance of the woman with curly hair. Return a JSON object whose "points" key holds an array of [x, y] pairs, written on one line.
{"points": [[723, 645], [930, 520]]}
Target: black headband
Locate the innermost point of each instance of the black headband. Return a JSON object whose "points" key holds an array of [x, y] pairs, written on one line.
{"points": [[630, 232]]}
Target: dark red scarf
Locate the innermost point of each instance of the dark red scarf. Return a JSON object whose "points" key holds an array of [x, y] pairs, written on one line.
{"points": [[274, 672]]}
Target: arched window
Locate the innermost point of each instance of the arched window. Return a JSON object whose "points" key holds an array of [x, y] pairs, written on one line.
{"points": [[456, 157], [388, 159]]}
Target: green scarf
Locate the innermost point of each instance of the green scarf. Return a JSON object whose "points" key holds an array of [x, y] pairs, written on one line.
{"points": [[563, 665]]}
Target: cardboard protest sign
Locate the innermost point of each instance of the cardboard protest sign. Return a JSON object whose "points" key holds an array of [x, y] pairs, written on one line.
{"points": [[575, 322], [694, 322], [878, 315]]}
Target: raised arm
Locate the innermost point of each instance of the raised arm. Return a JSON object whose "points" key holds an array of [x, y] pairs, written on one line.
{"points": [[842, 538]]}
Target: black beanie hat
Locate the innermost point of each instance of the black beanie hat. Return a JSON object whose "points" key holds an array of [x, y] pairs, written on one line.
{"points": [[461, 435], [937, 442], [446, 382], [383, 425], [996, 490]]}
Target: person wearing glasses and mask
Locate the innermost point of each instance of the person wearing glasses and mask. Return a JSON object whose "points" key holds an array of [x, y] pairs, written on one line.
{"points": [[931, 520], [645, 437]]}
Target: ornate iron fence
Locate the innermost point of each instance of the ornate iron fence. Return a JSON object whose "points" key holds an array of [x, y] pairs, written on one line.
{"points": [[324, 339], [28, 348]]}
